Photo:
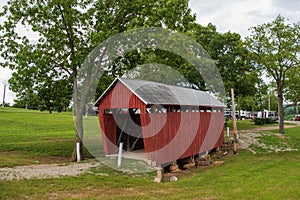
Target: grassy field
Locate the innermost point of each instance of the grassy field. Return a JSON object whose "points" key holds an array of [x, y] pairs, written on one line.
{"points": [[249, 125], [35, 137], [32, 136]]}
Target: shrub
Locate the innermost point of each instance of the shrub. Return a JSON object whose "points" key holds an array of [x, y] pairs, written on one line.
{"points": [[259, 121], [268, 120], [262, 121]]}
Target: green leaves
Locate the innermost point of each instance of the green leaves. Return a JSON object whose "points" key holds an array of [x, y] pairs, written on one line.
{"points": [[231, 57], [275, 48], [67, 31]]}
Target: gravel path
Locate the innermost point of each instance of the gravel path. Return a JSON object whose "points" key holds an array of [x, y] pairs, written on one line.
{"points": [[248, 137], [44, 171]]}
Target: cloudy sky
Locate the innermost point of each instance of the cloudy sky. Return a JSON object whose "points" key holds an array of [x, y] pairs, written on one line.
{"points": [[239, 15], [230, 15]]}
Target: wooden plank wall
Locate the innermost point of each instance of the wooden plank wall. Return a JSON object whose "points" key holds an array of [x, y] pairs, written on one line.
{"points": [[120, 97], [183, 134], [108, 127]]}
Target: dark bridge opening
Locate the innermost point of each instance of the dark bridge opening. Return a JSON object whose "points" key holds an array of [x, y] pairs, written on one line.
{"points": [[129, 130]]}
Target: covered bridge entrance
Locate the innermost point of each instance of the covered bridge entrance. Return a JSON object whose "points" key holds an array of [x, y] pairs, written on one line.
{"points": [[168, 122]]}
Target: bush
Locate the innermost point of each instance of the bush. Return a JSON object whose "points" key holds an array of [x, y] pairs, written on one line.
{"points": [[262, 121], [290, 117], [271, 121], [259, 121]]}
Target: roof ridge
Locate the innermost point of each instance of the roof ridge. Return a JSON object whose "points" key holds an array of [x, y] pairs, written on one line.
{"points": [[121, 78]]}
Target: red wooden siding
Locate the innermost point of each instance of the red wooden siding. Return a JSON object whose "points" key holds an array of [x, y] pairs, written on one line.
{"points": [[120, 97], [108, 127], [184, 134]]}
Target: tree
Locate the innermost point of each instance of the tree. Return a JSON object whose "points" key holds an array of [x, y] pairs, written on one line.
{"points": [[68, 30], [292, 90], [179, 72], [231, 57], [246, 103], [275, 48], [48, 94], [27, 99], [55, 95]]}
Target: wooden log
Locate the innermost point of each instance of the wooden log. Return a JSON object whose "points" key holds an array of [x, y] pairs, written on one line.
{"points": [[217, 163], [159, 175], [173, 168], [189, 165], [203, 162]]}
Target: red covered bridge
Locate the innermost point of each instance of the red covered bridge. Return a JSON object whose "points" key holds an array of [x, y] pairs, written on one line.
{"points": [[168, 122]]}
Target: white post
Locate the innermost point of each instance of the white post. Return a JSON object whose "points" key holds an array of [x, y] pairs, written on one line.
{"points": [[78, 151], [120, 154], [227, 131], [3, 102]]}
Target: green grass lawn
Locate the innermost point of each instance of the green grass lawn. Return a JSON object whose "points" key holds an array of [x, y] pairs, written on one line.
{"points": [[29, 136], [32, 136], [248, 124]]}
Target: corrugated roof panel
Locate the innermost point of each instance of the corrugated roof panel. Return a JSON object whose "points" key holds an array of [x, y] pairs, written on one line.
{"points": [[158, 93]]}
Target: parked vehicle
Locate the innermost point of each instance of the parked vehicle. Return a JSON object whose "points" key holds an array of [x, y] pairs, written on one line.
{"points": [[245, 114], [267, 114], [297, 117], [273, 115], [228, 114]]}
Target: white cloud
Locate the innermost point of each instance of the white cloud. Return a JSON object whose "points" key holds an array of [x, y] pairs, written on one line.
{"points": [[290, 5], [239, 15]]}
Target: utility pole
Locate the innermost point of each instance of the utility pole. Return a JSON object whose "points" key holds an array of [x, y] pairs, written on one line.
{"points": [[3, 102], [269, 103], [233, 122]]}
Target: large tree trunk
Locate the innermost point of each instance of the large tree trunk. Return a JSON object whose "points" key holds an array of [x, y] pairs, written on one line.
{"points": [[78, 123], [280, 109]]}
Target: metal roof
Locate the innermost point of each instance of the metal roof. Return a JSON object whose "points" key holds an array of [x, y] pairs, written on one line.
{"points": [[154, 93]]}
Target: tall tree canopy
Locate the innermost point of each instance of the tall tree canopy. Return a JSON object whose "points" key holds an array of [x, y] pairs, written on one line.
{"points": [[231, 57], [275, 48], [226, 49], [67, 32]]}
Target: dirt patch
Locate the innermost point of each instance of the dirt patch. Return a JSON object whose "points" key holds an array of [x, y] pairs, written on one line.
{"points": [[248, 138], [266, 128], [53, 159], [15, 158], [281, 136], [252, 137], [44, 171]]}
